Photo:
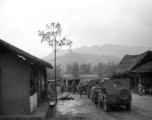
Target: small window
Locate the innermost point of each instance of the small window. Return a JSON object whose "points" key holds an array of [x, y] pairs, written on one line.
{"points": [[117, 84]]}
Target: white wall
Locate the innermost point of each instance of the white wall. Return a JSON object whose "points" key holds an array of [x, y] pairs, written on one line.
{"points": [[33, 102]]}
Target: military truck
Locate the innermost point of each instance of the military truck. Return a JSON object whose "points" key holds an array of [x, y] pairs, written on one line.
{"points": [[115, 92], [93, 93], [94, 84]]}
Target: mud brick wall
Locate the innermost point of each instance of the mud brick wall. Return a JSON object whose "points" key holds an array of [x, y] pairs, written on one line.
{"points": [[14, 85], [0, 83]]}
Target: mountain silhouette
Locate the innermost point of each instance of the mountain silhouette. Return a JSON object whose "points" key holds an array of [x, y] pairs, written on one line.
{"points": [[70, 58], [108, 49]]}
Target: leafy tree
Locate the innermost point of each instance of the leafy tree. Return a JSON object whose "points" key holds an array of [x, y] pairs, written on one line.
{"points": [[68, 68], [52, 36], [85, 68], [94, 69], [100, 69], [88, 68], [51, 73], [75, 69], [106, 70], [82, 68]]}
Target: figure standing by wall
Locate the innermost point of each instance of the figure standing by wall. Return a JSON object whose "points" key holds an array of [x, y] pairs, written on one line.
{"points": [[140, 87]]}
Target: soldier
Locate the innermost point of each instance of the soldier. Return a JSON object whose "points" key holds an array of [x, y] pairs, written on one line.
{"points": [[140, 87], [88, 87], [50, 92], [62, 87], [80, 86], [73, 87]]}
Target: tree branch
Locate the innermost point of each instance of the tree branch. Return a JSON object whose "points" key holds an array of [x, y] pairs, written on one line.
{"points": [[52, 32], [59, 47]]}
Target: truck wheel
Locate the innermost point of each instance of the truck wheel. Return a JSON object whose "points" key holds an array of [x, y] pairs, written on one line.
{"points": [[106, 107], [128, 106], [123, 93], [88, 96]]}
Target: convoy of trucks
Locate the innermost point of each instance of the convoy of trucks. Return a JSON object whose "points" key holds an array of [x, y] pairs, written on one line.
{"points": [[111, 92]]}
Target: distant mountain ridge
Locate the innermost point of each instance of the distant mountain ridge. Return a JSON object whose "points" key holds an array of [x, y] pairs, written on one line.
{"points": [[108, 49], [70, 58]]}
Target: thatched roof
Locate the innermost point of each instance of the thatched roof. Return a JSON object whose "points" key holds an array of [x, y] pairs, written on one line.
{"points": [[27, 56], [143, 68], [129, 62]]}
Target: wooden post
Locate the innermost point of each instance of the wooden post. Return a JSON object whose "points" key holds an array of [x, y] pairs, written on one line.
{"points": [[55, 71], [67, 85]]}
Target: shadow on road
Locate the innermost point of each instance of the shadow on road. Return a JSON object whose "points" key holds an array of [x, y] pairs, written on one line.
{"points": [[50, 112]]}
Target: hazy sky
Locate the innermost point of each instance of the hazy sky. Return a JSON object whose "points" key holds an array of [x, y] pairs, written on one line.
{"points": [[85, 22]]}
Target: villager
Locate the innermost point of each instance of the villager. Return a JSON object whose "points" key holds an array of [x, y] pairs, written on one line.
{"points": [[89, 85], [44, 95], [50, 93], [140, 87], [73, 87], [62, 87], [80, 87]]}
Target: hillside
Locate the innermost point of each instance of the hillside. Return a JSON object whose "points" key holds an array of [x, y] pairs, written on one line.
{"points": [[70, 58], [108, 49]]}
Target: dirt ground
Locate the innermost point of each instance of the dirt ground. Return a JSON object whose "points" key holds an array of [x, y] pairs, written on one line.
{"points": [[84, 109]]}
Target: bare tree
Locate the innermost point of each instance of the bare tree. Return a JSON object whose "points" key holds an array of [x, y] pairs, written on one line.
{"points": [[52, 35]]}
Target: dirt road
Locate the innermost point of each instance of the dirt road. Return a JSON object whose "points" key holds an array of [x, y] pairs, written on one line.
{"points": [[84, 109]]}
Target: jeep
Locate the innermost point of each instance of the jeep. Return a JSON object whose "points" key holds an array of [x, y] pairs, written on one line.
{"points": [[115, 92], [91, 87], [94, 93]]}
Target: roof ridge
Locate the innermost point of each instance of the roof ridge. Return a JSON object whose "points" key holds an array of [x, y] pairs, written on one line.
{"points": [[24, 54]]}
